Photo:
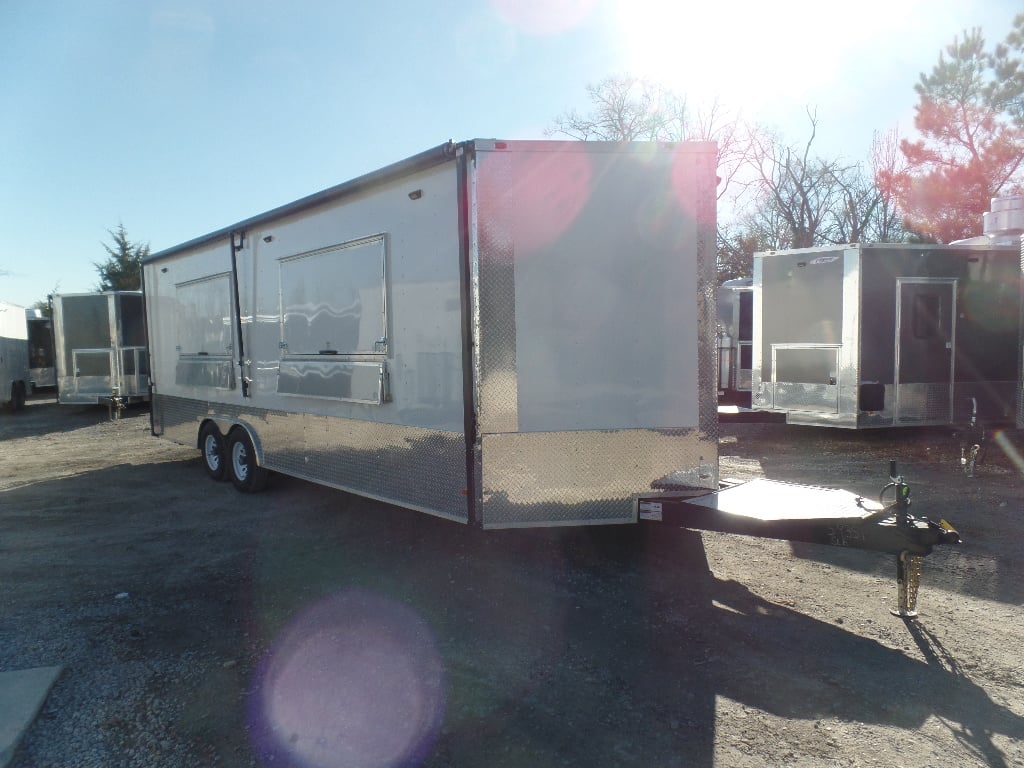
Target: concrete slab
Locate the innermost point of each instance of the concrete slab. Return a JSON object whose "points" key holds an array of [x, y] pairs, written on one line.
{"points": [[22, 693]]}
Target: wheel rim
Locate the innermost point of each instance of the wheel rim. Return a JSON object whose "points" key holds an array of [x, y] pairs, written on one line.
{"points": [[211, 453], [240, 460]]}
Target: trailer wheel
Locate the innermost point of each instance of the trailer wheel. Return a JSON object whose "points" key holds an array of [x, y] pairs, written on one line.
{"points": [[246, 475], [211, 443]]}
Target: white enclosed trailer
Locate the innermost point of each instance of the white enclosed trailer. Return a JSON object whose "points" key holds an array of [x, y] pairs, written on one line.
{"points": [[502, 333], [100, 347], [508, 333], [14, 376]]}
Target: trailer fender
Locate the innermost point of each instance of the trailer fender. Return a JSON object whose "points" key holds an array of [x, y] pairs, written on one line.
{"points": [[226, 424], [253, 436]]}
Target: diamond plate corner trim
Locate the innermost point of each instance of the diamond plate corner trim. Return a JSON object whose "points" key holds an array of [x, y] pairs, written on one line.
{"points": [[495, 298], [580, 478], [703, 170], [1020, 376]]}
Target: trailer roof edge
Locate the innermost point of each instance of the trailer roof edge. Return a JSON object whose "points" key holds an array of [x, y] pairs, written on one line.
{"points": [[433, 156]]}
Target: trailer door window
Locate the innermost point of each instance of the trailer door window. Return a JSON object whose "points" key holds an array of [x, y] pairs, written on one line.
{"points": [[133, 326], [204, 326], [86, 325], [333, 300], [926, 316]]}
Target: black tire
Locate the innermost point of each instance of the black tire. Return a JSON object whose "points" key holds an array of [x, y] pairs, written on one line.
{"points": [[215, 455], [246, 474]]}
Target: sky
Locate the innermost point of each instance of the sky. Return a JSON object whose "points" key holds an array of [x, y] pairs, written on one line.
{"points": [[177, 118]]}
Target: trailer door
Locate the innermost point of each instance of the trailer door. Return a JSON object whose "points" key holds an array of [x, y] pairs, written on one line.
{"points": [[93, 371], [925, 330]]}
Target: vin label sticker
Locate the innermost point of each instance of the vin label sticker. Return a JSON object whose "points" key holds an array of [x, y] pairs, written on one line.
{"points": [[650, 510]]}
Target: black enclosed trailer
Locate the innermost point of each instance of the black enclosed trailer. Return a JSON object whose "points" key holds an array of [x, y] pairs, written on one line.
{"points": [[42, 372], [735, 306], [885, 335]]}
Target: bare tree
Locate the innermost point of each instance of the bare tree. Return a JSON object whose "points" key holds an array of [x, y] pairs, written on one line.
{"points": [[888, 164], [624, 109], [797, 189], [737, 244], [632, 109], [801, 200]]}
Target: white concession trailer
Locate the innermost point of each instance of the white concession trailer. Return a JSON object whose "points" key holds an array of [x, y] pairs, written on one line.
{"points": [[507, 333], [14, 376], [100, 348], [502, 333]]}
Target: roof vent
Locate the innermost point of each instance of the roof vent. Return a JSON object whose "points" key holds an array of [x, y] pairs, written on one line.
{"points": [[1006, 216]]}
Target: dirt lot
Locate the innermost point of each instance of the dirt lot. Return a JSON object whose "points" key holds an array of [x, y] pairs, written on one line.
{"points": [[303, 626]]}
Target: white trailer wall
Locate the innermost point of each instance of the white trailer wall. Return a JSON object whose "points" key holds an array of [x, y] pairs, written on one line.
{"points": [[596, 327], [520, 333], [408, 449], [14, 374]]}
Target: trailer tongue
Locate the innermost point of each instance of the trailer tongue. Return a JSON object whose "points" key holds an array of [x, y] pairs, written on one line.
{"points": [[778, 510]]}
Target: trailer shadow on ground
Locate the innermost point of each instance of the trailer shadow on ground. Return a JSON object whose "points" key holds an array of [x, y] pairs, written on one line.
{"points": [[590, 647], [38, 417]]}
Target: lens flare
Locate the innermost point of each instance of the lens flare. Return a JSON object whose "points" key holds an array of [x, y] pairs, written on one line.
{"points": [[543, 17], [550, 192], [1000, 439], [355, 680]]}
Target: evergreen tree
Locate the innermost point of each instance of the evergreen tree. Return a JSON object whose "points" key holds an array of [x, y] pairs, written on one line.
{"points": [[970, 116], [122, 271]]}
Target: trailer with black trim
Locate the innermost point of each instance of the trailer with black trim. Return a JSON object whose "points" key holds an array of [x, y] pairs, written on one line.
{"points": [[890, 334], [506, 334], [42, 371], [735, 305]]}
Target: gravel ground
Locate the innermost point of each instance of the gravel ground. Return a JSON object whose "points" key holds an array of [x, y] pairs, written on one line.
{"points": [[306, 627]]}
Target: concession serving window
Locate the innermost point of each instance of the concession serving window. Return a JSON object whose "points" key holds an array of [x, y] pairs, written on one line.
{"points": [[334, 322], [204, 341]]}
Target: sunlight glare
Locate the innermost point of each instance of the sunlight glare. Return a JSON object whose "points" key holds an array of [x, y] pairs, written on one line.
{"points": [[748, 54], [1009, 450], [543, 17]]}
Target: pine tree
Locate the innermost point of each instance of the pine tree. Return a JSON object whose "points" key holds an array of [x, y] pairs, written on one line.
{"points": [[971, 120], [122, 271]]}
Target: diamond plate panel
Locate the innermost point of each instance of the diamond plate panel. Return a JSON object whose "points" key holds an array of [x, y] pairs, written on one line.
{"points": [[923, 403], [701, 167], [573, 478], [416, 468], [495, 308]]}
